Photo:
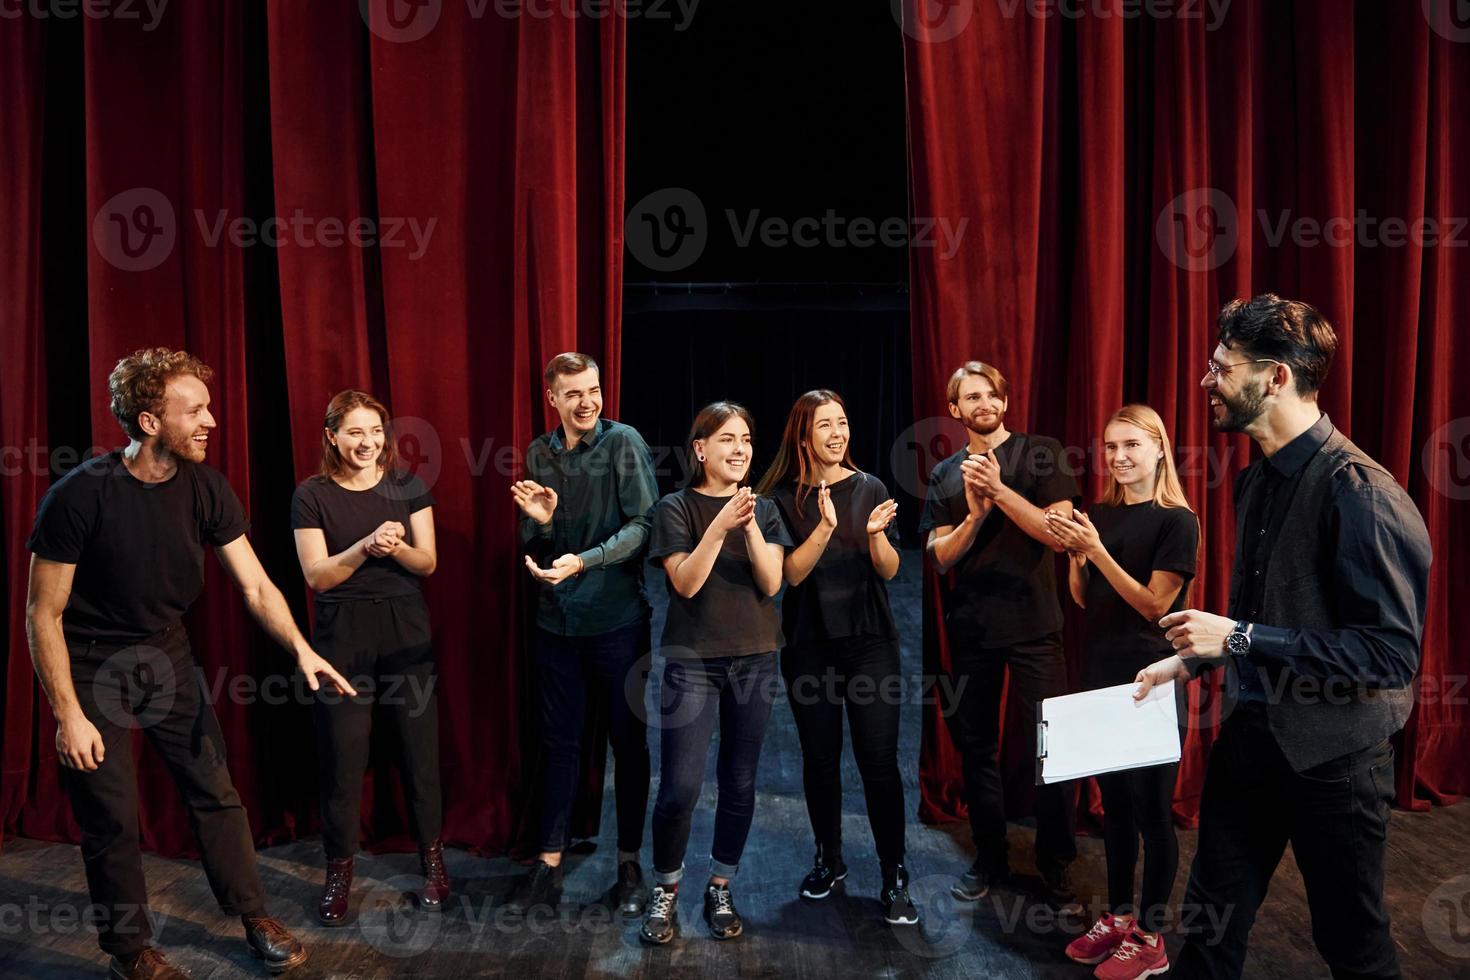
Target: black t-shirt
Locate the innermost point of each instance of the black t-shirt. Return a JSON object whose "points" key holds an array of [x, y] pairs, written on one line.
{"points": [[138, 547], [347, 516], [1142, 538], [844, 595], [729, 616], [1005, 587]]}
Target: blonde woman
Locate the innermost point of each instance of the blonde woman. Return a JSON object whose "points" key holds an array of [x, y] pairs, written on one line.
{"points": [[1132, 559]]}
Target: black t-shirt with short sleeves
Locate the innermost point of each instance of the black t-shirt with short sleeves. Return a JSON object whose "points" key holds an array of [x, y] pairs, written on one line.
{"points": [[1142, 538], [843, 596], [1005, 588], [138, 547], [347, 516], [729, 616]]}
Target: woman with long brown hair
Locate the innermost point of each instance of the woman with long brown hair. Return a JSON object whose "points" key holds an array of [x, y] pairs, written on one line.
{"points": [[1131, 561], [365, 538], [720, 547], [839, 633]]}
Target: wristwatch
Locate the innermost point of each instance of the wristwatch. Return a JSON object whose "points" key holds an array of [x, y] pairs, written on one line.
{"points": [[1239, 640]]}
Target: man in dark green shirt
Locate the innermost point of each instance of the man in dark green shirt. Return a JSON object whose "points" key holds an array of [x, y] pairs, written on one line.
{"points": [[585, 507]]}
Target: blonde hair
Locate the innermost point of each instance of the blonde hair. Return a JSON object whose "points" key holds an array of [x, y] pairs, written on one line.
{"points": [[138, 383], [976, 369], [1168, 491]]}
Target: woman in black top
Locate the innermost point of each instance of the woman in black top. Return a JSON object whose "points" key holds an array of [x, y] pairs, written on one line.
{"points": [[839, 633], [1130, 561], [365, 537], [720, 547]]}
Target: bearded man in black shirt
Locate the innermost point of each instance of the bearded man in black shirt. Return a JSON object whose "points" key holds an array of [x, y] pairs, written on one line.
{"points": [[118, 558], [1319, 651]]}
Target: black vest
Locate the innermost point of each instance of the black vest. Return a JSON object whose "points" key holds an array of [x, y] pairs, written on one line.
{"points": [[1313, 720]]}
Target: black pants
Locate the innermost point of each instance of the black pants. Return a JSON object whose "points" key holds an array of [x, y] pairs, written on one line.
{"points": [[154, 685], [1336, 817], [863, 674], [1140, 802], [1037, 671], [573, 669], [383, 648]]}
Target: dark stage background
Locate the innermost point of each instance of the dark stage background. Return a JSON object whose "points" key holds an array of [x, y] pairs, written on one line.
{"points": [[1107, 173]]}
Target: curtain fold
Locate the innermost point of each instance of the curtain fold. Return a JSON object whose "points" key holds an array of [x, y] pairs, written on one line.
{"points": [[1124, 176]]}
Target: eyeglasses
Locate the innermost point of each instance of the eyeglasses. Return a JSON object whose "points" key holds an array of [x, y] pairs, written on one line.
{"points": [[1217, 369]]}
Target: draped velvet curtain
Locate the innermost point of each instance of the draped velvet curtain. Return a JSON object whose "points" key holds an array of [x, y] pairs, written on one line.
{"points": [[421, 200], [1124, 174]]}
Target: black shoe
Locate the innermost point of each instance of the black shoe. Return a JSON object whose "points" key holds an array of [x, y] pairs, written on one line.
{"points": [[542, 887], [628, 894], [827, 870], [1056, 888], [898, 908], [973, 885], [719, 912], [661, 917], [272, 942], [150, 964]]}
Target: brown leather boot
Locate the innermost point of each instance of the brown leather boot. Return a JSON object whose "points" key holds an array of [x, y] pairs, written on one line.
{"points": [[331, 910], [436, 879], [272, 942], [147, 965]]}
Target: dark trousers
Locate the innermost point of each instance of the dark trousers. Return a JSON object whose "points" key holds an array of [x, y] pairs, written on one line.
{"points": [[383, 647], [740, 692], [1140, 802], [154, 685], [572, 670], [861, 673], [1336, 817], [1037, 671]]}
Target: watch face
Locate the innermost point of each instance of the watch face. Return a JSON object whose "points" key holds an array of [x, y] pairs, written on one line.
{"points": [[1237, 642]]}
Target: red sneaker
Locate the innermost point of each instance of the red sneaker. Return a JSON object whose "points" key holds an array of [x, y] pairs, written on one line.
{"points": [[1105, 936], [1140, 955]]}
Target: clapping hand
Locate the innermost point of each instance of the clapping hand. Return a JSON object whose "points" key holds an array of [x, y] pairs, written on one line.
{"points": [[882, 516], [386, 540], [737, 512], [562, 569], [534, 500], [1076, 533]]}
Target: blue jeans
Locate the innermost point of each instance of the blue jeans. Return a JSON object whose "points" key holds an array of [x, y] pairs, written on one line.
{"points": [[580, 674], [740, 690]]}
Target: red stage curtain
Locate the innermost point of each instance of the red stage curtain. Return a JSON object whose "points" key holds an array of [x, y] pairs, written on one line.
{"points": [[1122, 178], [483, 154]]}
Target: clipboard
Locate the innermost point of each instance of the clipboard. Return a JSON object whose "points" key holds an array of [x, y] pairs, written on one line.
{"points": [[1101, 731]]}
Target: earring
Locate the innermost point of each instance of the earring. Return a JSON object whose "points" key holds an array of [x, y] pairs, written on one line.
{"points": [[701, 459]]}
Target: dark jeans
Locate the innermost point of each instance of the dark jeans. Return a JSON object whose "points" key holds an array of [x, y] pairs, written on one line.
{"points": [[1037, 671], [154, 685], [740, 690], [1141, 802], [384, 648], [1336, 817], [863, 674], [607, 668]]}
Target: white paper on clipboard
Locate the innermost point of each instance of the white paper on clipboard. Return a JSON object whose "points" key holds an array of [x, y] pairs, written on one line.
{"points": [[1105, 730]]}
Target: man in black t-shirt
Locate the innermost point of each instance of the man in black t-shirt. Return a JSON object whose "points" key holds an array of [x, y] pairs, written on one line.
{"points": [[118, 558], [985, 516]]}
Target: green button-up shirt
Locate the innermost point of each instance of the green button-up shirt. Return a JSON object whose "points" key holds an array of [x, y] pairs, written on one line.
{"points": [[605, 491]]}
